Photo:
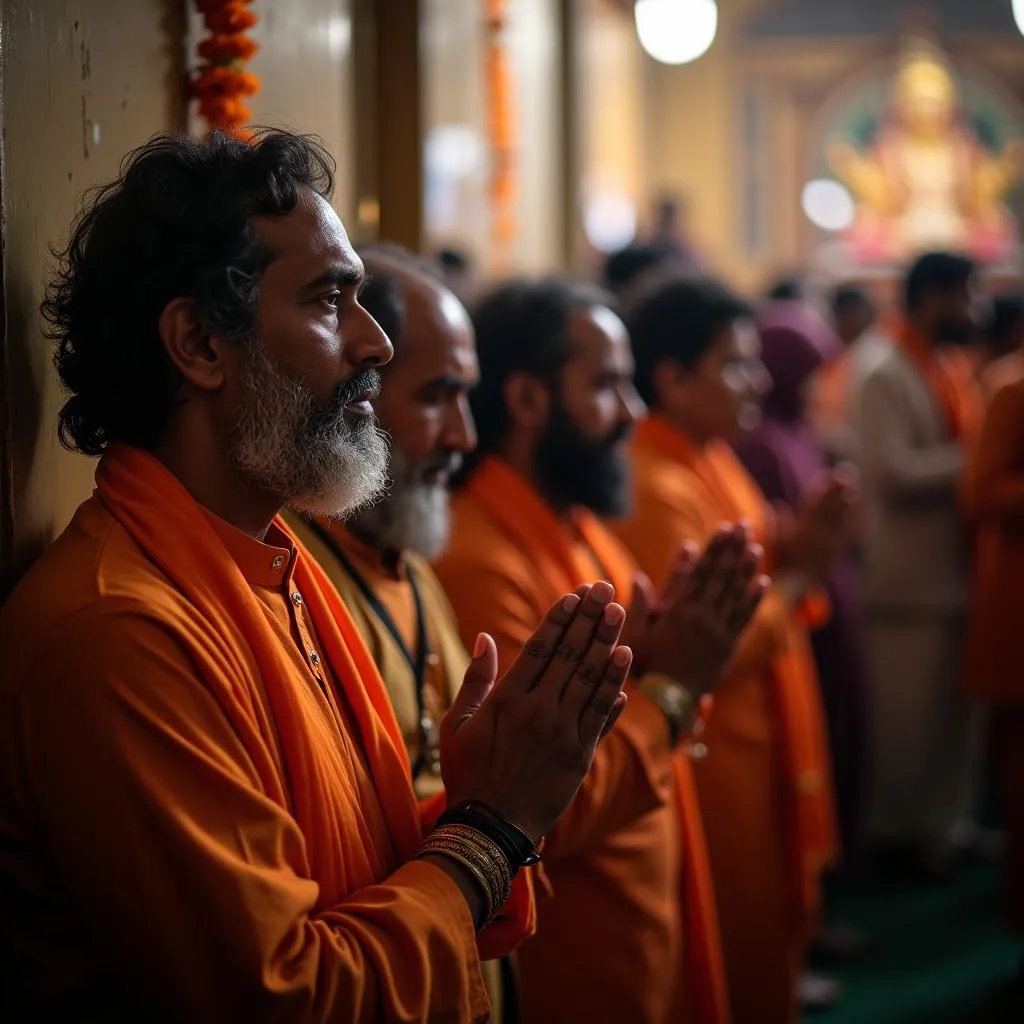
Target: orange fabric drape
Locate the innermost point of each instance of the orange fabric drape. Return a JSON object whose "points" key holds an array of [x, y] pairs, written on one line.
{"points": [[795, 691], [501, 127], [131, 483], [952, 380], [708, 993], [829, 409], [994, 500], [993, 493], [512, 503]]}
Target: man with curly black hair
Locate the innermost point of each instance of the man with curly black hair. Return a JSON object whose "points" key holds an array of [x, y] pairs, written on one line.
{"points": [[205, 800]]}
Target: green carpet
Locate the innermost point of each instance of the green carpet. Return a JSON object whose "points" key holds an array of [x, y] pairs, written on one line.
{"points": [[938, 954]]}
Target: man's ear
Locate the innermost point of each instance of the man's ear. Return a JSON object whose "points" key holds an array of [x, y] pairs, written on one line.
{"points": [[527, 400], [197, 355], [668, 379]]}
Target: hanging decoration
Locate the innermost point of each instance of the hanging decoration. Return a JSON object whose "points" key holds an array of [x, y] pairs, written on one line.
{"points": [[221, 83], [501, 128]]}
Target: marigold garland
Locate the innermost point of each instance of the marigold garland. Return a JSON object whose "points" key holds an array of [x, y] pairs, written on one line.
{"points": [[501, 125], [222, 83]]}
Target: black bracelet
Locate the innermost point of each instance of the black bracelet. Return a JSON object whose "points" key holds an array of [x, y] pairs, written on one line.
{"points": [[516, 846]]}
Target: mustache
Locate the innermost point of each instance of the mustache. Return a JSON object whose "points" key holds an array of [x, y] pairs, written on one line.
{"points": [[413, 473], [447, 462], [366, 381]]}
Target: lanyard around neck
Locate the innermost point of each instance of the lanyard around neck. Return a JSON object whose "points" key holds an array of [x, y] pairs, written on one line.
{"points": [[417, 663]]}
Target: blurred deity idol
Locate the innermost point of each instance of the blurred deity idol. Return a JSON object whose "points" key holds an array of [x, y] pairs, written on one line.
{"points": [[927, 180]]}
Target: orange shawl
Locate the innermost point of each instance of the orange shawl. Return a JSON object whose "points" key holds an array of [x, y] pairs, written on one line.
{"points": [[168, 525], [522, 514], [952, 381], [993, 490], [795, 690]]}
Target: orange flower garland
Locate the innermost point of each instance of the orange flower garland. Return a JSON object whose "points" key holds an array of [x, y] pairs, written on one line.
{"points": [[501, 126], [222, 83]]}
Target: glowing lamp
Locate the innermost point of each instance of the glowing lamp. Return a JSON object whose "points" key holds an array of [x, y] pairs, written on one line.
{"points": [[827, 204], [677, 31]]}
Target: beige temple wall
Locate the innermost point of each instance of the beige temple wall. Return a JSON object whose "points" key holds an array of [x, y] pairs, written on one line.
{"points": [[611, 73], [454, 108], [454, 95], [535, 62], [83, 82], [305, 69], [691, 142]]}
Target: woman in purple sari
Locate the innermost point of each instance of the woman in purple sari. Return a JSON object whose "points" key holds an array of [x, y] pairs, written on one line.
{"points": [[785, 458]]}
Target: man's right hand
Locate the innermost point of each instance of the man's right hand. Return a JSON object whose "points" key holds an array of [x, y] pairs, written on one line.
{"points": [[822, 529], [706, 605], [525, 744]]}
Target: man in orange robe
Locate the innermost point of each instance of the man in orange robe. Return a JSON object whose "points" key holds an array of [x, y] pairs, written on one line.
{"points": [[994, 497], [378, 559], [764, 786], [630, 934], [204, 795]]}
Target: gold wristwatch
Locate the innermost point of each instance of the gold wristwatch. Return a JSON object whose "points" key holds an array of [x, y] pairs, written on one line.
{"points": [[673, 700]]}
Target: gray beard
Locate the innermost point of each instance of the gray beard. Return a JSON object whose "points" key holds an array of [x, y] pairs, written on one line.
{"points": [[413, 516], [287, 444]]}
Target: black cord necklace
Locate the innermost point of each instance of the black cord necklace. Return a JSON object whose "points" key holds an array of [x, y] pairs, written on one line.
{"points": [[429, 757]]}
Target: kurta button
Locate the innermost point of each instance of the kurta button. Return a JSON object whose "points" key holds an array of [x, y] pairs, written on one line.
{"points": [[314, 658], [297, 599], [277, 562]]}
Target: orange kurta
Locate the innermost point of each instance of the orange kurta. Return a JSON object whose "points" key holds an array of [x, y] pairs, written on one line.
{"points": [[1000, 373], [994, 498], [764, 787], [610, 945], [203, 792]]}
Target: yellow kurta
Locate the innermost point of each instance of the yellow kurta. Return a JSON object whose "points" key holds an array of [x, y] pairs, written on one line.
{"points": [[448, 659]]}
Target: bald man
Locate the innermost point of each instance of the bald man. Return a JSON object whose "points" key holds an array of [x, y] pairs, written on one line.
{"points": [[378, 559]]}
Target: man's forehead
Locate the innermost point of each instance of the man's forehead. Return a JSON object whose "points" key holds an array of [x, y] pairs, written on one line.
{"points": [[599, 335], [311, 233], [435, 319], [426, 298]]}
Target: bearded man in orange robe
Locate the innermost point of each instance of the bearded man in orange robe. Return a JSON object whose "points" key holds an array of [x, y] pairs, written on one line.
{"points": [[630, 933], [205, 797]]}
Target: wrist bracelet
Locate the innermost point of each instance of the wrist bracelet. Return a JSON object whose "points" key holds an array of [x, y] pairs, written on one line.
{"points": [[515, 845], [673, 700], [480, 857]]}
